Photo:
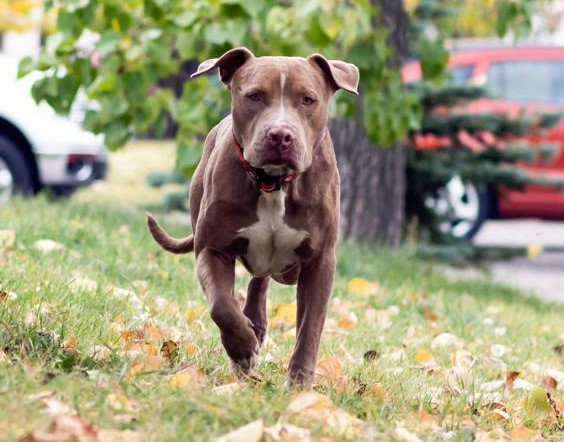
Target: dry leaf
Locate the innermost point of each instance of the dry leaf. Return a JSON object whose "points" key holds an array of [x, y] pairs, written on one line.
{"points": [[524, 434], [64, 429], [169, 350], [312, 406], [549, 383], [252, 432], [48, 245], [147, 363], [188, 379], [376, 390], [79, 284], [509, 381], [190, 349], [424, 357], [7, 239], [360, 286], [121, 403], [228, 388], [330, 371], [403, 434], [430, 315], [99, 352], [120, 436], [447, 340], [288, 433], [349, 320], [285, 315]]}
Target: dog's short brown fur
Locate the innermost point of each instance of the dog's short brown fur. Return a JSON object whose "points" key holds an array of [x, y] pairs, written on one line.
{"points": [[279, 118]]}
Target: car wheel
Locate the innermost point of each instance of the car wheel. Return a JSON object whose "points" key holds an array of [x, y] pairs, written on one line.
{"points": [[462, 206], [15, 174]]}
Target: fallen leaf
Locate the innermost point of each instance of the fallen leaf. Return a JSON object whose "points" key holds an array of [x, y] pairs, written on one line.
{"points": [[123, 230], [430, 315], [403, 434], [509, 381], [524, 434], [190, 349], [285, 315], [252, 432], [447, 340], [312, 406], [188, 379], [288, 433], [69, 344], [228, 389], [54, 406], [360, 286], [7, 239], [499, 414], [64, 428], [330, 371], [48, 245], [147, 363], [121, 403], [549, 383], [376, 390], [99, 352], [349, 320], [80, 284], [120, 436], [424, 357], [169, 350]]}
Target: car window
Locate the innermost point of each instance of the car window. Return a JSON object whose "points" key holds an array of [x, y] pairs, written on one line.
{"points": [[460, 75], [531, 81]]}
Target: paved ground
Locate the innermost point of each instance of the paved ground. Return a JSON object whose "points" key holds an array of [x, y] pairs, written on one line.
{"points": [[544, 276]]}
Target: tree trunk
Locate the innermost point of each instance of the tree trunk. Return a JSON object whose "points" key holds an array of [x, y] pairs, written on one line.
{"points": [[372, 177]]}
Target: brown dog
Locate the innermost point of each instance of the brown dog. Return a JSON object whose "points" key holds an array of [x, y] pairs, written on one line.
{"points": [[266, 192]]}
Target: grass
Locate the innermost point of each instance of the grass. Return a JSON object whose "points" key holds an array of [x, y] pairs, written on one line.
{"points": [[67, 346]]}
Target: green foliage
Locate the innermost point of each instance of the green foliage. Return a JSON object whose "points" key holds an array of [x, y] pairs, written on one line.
{"points": [[117, 51]]}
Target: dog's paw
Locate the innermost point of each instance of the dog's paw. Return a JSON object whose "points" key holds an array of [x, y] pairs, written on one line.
{"points": [[242, 347]]}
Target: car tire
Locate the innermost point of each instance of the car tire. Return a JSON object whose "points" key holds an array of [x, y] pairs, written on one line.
{"points": [[15, 173], [462, 206]]}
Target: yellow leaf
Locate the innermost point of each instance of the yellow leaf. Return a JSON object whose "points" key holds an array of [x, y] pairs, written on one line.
{"points": [[424, 357], [190, 349], [7, 239], [536, 404], [534, 250], [329, 368], [147, 363], [251, 432], [349, 320], [188, 379], [360, 286], [195, 313], [524, 434], [285, 315]]}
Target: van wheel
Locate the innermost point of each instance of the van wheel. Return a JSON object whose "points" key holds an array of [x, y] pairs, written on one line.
{"points": [[15, 174]]}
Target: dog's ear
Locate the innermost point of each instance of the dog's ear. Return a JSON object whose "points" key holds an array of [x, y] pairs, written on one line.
{"points": [[228, 63], [340, 75]]}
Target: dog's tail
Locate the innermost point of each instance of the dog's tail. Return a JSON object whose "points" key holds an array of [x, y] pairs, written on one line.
{"points": [[167, 242]]}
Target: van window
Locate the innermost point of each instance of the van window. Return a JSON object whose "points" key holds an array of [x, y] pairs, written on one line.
{"points": [[531, 81]]}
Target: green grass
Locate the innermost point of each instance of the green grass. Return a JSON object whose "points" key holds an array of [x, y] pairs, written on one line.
{"points": [[109, 244]]}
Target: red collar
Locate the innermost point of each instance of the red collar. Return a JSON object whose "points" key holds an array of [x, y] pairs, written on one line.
{"points": [[265, 182]]}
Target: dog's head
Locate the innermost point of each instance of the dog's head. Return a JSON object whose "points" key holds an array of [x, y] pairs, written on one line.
{"points": [[279, 104]]}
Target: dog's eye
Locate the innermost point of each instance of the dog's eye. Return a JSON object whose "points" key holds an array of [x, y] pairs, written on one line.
{"points": [[255, 96], [308, 101]]}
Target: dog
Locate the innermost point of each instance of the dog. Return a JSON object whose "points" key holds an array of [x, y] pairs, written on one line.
{"points": [[266, 193]]}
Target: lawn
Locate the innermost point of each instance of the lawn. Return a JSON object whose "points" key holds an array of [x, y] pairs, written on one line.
{"points": [[104, 335]]}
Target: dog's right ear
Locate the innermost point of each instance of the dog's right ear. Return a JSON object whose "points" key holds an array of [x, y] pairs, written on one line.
{"points": [[228, 63]]}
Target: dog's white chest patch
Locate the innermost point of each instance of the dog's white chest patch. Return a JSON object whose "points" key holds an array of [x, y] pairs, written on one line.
{"points": [[272, 243]]}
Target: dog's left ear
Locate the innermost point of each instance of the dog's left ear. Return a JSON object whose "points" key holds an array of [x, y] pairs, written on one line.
{"points": [[340, 75], [228, 63]]}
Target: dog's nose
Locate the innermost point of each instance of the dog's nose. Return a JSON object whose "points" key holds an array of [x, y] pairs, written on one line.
{"points": [[280, 137]]}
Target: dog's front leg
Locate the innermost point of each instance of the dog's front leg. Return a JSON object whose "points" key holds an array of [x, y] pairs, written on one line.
{"points": [[216, 273], [314, 290]]}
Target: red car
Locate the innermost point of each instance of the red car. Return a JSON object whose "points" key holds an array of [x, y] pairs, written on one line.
{"points": [[518, 77]]}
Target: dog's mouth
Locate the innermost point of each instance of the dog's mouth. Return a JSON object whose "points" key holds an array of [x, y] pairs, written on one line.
{"points": [[278, 165], [276, 169]]}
